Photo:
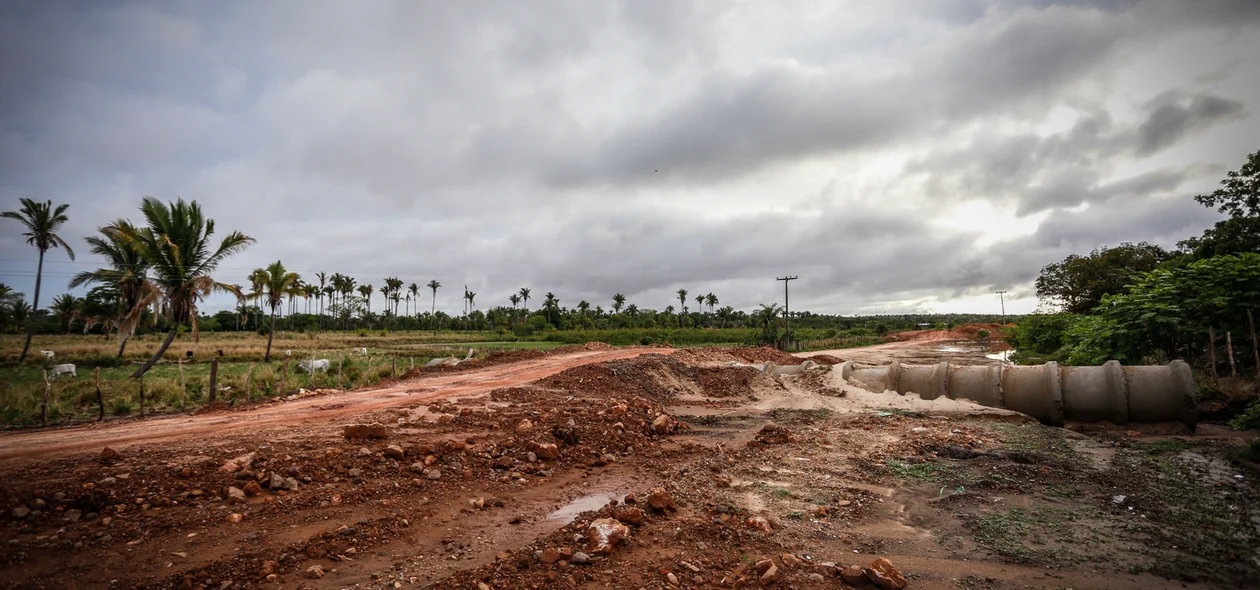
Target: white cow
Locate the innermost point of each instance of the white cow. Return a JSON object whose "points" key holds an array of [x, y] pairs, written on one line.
{"points": [[313, 366], [66, 369], [48, 354], [288, 353], [362, 351]]}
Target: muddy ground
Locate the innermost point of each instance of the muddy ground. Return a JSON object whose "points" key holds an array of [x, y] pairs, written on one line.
{"points": [[715, 476]]}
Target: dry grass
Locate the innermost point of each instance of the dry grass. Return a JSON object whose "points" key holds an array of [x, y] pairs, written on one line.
{"points": [[74, 399]]}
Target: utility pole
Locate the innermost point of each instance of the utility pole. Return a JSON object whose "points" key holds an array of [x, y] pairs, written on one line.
{"points": [[1002, 298], [787, 326]]}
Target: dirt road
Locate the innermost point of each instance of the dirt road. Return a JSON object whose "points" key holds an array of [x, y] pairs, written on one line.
{"points": [[24, 445], [921, 348]]}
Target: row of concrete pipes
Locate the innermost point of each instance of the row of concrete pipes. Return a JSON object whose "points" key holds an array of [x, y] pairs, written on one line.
{"points": [[1050, 393]]}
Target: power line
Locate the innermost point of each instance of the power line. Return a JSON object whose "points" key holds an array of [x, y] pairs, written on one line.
{"points": [[1002, 298]]}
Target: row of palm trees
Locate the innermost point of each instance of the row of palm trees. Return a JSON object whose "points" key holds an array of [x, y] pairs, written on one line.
{"points": [[165, 263]]}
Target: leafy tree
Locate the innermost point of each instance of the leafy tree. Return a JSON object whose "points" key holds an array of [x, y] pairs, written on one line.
{"points": [[176, 243], [1239, 195], [128, 273], [42, 221], [551, 304], [1041, 333], [1235, 235], [1168, 312], [1078, 283]]}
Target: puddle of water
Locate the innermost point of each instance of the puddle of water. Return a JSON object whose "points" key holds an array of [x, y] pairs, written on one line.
{"points": [[570, 511], [954, 349]]}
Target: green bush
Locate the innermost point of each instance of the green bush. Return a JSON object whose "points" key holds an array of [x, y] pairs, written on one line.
{"points": [[1041, 333], [1249, 419]]}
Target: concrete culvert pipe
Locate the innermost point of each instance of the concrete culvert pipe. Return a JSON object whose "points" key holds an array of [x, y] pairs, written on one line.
{"points": [[1162, 394], [929, 381], [979, 383], [1096, 394], [1036, 391], [1049, 392]]}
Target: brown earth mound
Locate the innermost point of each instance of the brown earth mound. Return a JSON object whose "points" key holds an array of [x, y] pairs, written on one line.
{"points": [[761, 354]]}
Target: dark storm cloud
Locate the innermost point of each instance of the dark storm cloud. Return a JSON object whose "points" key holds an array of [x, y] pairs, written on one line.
{"points": [[636, 147]]}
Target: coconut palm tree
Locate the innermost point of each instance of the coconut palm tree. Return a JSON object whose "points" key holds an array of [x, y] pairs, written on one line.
{"points": [[415, 296], [347, 290], [525, 299], [295, 290], [551, 304], [385, 293], [176, 243], [682, 298], [66, 308], [700, 303], [584, 306], [434, 286], [366, 292], [618, 301], [472, 300], [277, 283], [128, 274], [395, 286], [240, 299], [711, 300], [319, 295], [42, 221]]}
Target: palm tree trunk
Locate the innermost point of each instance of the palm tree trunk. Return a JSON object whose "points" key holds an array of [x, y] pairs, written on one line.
{"points": [[271, 334], [30, 322], [170, 337], [433, 312]]}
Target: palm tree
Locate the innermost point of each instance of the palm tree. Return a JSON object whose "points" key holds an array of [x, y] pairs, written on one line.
{"points": [[366, 292], [525, 299], [711, 300], [385, 293], [415, 296], [66, 308], [294, 291], [395, 288], [42, 222], [309, 290], [277, 283], [128, 274], [434, 286], [768, 318], [583, 306], [515, 299], [682, 298], [551, 304], [618, 301], [472, 301], [347, 290], [239, 299], [176, 245], [700, 303]]}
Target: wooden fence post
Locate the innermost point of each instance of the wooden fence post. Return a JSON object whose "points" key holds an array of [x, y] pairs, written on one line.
{"points": [[413, 363], [141, 395], [1255, 346], [338, 371], [1229, 349], [368, 374], [249, 383], [43, 408], [310, 372], [214, 380], [284, 378], [183, 390], [393, 367], [1212, 351], [100, 401]]}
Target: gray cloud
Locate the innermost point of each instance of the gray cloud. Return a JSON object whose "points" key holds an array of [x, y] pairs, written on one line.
{"points": [[634, 147]]}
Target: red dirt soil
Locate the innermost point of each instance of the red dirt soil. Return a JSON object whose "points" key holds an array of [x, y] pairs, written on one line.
{"points": [[57, 441]]}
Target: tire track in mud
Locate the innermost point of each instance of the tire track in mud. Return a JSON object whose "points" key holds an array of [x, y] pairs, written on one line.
{"points": [[19, 446]]}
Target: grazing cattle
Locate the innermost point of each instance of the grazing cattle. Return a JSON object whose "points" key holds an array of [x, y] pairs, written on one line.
{"points": [[48, 354], [362, 351], [313, 366], [288, 353], [59, 370]]}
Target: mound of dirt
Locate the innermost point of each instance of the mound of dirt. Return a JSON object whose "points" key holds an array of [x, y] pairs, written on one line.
{"points": [[826, 359], [761, 354], [497, 357], [659, 378]]}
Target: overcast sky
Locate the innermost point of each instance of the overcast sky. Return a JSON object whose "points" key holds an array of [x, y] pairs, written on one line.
{"points": [[897, 156]]}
